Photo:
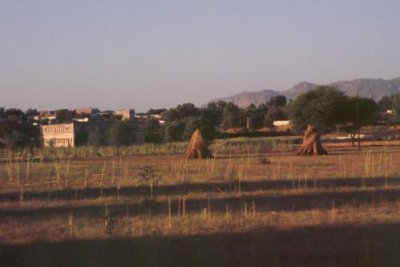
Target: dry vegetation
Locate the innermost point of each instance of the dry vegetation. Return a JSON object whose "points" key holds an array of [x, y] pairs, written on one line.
{"points": [[254, 204]]}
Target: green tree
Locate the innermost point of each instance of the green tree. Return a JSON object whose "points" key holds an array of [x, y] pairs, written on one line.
{"points": [[121, 134], [15, 132], [199, 122], [174, 131], [157, 111], [316, 107], [182, 111], [396, 103], [277, 101], [354, 112], [274, 113], [214, 112], [97, 136], [251, 117], [153, 131], [64, 115], [385, 103], [230, 116], [392, 102]]}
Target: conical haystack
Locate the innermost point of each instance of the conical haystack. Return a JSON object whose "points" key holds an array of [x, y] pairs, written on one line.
{"points": [[197, 148], [311, 143]]}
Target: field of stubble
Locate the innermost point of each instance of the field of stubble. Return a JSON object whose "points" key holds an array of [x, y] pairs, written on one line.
{"points": [[241, 208]]}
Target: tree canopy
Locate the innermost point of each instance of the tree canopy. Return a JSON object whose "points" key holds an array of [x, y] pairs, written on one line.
{"points": [[15, 132], [316, 107], [390, 102], [326, 106]]}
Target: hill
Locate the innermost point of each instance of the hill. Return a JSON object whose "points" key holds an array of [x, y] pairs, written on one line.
{"points": [[371, 88], [245, 99]]}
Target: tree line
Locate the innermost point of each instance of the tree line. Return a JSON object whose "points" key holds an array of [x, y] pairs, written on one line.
{"points": [[17, 129], [326, 107], [212, 120]]}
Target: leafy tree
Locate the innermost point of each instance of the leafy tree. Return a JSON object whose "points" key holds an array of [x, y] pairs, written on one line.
{"points": [[174, 131], [214, 112], [15, 133], [64, 115], [396, 103], [15, 115], [31, 112], [392, 102], [277, 101], [97, 136], [81, 138], [367, 110], [121, 134], [156, 111], [153, 131], [14, 112], [231, 116], [274, 113], [199, 122], [316, 107], [388, 103], [252, 116], [354, 112], [182, 111], [385, 103]]}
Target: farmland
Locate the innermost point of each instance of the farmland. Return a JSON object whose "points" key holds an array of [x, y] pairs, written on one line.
{"points": [[254, 204]]}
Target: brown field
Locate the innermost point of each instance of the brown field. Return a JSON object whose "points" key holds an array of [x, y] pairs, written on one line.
{"points": [[241, 208]]}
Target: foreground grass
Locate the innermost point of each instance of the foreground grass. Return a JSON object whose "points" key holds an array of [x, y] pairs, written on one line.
{"points": [[363, 236], [244, 207], [16, 175], [70, 227]]}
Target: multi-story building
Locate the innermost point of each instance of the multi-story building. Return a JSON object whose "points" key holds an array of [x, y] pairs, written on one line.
{"points": [[70, 134], [58, 135]]}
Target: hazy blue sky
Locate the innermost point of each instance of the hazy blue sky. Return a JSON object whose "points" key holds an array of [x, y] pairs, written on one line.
{"points": [[142, 54]]}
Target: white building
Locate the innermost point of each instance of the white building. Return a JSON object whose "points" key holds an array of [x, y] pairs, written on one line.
{"points": [[58, 135]]}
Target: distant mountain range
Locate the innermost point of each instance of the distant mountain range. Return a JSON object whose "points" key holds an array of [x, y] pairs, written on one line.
{"points": [[371, 88]]}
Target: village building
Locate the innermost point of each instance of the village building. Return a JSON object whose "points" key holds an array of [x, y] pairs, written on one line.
{"points": [[67, 134], [125, 114], [86, 112], [81, 119], [145, 116], [44, 116], [282, 126], [58, 135], [392, 116]]}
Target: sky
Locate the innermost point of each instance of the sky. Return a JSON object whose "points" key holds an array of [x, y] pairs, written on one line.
{"points": [[158, 54]]}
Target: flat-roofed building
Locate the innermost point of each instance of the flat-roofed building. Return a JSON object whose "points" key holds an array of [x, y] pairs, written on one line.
{"points": [[77, 133], [58, 135], [45, 116], [125, 114], [86, 111], [282, 126]]}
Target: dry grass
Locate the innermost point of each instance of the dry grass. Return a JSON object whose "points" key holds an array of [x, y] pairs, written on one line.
{"points": [[123, 171], [167, 196], [57, 228]]}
